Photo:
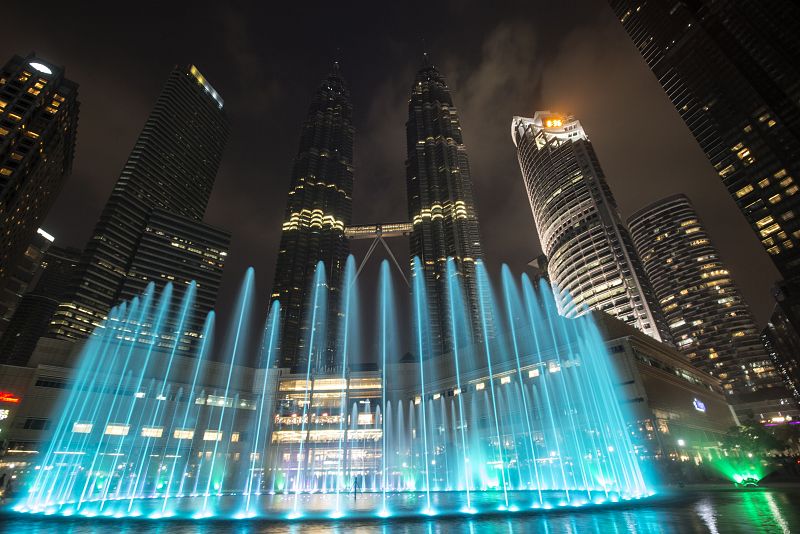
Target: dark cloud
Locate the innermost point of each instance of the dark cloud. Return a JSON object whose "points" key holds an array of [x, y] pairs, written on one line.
{"points": [[266, 62]]}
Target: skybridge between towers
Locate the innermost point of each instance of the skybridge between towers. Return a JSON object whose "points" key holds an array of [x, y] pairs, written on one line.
{"points": [[378, 233]]}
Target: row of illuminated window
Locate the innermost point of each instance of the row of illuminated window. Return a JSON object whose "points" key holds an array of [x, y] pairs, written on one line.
{"points": [[116, 429], [458, 210], [785, 182], [312, 218], [531, 372], [330, 384]]}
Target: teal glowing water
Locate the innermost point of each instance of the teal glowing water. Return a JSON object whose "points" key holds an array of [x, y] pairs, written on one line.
{"points": [[521, 415]]}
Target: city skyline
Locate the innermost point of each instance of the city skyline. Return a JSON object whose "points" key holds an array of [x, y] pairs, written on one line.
{"points": [[251, 202]]}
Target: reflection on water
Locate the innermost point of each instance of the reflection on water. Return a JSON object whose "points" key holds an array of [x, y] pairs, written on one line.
{"points": [[766, 510]]}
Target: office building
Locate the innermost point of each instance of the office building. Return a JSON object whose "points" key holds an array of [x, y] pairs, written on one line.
{"points": [[707, 317], [22, 276], [38, 127], [172, 168], [732, 70], [590, 257], [32, 316], [441, 203], [318, 209]]}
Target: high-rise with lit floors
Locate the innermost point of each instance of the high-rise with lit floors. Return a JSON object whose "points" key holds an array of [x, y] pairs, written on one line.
{"points": [[318, 209], [38, 127], [732, 70], [441, 204], [171, 168], [590, 257], [706, 315]]}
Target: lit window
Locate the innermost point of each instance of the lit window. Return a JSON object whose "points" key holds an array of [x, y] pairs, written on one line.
{"points": [[763, 183], [743, 191], [791, 190], [117, 430], [152, 432], [505, 380], [533, 373], [761, 223], [774, 199], [235, 437], [480, 386], [81, 428], [183, 433], [212, 435]]}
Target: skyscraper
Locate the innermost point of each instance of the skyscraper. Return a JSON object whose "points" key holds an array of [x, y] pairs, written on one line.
{"points": [[441, 204], [172, 167], [317, 211], [732, 71], [32, 316], [38, 126], [179, 250], [22, 276], [590, 257], [707, 317]]}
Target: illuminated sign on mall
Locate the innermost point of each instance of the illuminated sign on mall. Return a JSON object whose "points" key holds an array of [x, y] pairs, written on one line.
{"points": [[5, 396], [699, 405]]}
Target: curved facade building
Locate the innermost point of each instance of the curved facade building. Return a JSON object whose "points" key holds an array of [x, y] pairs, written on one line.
{"points": [[591, 260], [707, 316]]}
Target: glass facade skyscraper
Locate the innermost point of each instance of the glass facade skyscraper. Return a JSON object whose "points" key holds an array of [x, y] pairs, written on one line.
{"points": [[441, 204], [708, 319], [590, 257], [317, 211], [732, 70], [38, 128], [172, 167]]}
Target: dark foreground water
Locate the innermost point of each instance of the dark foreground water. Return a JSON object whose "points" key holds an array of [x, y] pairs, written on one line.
{"points": [[717, 511]]}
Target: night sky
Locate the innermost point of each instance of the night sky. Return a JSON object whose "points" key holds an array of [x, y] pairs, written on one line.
{"points": [[266, 62]]}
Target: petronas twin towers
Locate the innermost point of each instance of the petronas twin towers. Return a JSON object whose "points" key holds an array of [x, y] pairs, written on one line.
{"points": [[441, 210]]}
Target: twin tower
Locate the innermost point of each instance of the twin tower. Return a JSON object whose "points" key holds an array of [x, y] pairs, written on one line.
{"points": [[443, 222]]}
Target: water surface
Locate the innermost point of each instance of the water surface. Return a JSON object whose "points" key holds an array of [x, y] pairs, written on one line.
{"points": [[716, 511]]}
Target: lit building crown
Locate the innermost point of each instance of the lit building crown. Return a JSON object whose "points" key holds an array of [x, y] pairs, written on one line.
{"points": [[546, 126]]}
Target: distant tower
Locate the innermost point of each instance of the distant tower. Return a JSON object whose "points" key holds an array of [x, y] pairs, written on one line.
{"points": [[318, 209], [732, 70], [32, 316], [38, 127], [707, 316], [441, 204], [171, 169], [590, 257]]}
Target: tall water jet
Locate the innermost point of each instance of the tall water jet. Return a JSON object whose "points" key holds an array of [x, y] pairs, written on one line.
{"points": [[459, 332], [484, 294], [268, 344], [529, 405], [348, 325], [420, 305], [239, 337], [315, 342]]}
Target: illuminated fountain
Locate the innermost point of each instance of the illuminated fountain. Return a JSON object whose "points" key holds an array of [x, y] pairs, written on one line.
{"points": [[522, 416]]}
